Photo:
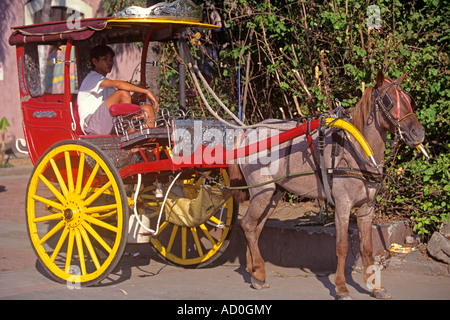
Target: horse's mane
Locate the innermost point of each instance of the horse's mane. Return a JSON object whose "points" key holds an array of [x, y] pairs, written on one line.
{"points": [[361, 111]]}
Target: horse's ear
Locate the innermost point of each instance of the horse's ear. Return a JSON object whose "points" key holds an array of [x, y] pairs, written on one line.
{"points": [[401, 78], [380, 78]]}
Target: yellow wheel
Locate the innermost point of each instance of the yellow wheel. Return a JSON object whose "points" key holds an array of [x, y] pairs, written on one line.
{"points": [[77, 213], [198, 245]]}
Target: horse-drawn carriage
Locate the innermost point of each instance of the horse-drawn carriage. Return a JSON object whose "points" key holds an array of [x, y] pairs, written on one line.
{"points": [[173, 178]]}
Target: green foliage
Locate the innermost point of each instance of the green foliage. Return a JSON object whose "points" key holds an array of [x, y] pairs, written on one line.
{"points": [[4, 124]]}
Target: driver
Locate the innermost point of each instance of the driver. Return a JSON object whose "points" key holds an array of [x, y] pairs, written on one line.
{"points": [[98, 93]]}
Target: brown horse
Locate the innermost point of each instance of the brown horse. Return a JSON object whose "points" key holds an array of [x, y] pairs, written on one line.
{"points": [[383, 108]]}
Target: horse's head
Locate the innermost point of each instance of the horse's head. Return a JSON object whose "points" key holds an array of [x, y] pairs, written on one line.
{"points": [[397, 109]]}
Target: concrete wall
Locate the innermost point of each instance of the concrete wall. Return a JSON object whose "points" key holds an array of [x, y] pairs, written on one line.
{"points": [[20, 12], [312, 248]]}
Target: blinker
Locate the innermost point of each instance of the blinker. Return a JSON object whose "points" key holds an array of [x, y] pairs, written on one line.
{"points": [[386, 102]]}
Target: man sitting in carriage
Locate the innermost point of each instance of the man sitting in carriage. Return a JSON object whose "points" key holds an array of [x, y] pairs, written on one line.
{"points": [[98, 93]]}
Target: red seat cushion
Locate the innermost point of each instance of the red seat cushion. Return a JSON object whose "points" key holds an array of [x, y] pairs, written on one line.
{"points": [[122, 109]]}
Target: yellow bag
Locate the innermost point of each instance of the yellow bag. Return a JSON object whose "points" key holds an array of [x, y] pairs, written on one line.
{"points": [[195, 209]]}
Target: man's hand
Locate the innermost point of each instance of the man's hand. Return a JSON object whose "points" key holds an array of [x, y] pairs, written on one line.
{"points": [[151, 98]]}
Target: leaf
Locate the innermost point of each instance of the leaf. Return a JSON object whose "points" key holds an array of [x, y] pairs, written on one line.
{"points": [[3, 124]]}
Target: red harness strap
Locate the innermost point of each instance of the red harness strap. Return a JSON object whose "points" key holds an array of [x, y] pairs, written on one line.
{"points": [[397, 94]]}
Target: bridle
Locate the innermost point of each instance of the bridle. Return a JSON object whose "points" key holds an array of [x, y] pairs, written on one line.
{"points": [[385, 104]]}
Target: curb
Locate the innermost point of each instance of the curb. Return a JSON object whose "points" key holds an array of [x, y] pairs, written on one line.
{"points": [[312, 248], [415, 262]]}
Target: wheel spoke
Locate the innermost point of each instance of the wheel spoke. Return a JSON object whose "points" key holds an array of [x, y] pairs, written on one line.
{"points": [[70, 250], [148, 197], [88, 184], [197, 241], [217, 221], [69, 171], [99, 209], [183, 242], [80, 174], [52, 188], [97, 193], [207, 234], [52, 232], [163, 226], [58, 175], [80, 251], [49, 202], [101, 223], [104, 215], [172, 238], [153, 215], [89, 246], [60, 243], [97, 237], [50, 217]]}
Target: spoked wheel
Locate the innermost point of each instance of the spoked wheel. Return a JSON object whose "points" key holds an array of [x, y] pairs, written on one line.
{"points": [[77, 213], [192, 246]]}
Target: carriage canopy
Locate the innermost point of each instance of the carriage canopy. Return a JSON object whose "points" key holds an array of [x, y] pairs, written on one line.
{"points": [[162, 29]]}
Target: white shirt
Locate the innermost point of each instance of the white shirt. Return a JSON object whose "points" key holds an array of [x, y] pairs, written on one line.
{"points": [[91, 95]]}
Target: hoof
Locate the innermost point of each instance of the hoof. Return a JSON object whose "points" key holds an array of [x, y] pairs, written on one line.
{"points": [[258, 284], [343, 296], [381, 294]]}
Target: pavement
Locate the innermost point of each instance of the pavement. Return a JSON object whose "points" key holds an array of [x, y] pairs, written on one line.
{"points": [[141, 275]]}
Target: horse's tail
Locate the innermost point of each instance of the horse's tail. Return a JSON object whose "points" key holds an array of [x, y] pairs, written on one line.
{"points": [[237, 180]]}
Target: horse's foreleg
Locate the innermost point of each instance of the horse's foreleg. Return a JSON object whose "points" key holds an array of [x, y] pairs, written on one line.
{"points": [[341, 221], [371, 273], [365, 216]]}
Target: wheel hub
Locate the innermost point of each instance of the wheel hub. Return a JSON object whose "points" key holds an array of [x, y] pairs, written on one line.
{"points": [[68, 214], [73, 214]]}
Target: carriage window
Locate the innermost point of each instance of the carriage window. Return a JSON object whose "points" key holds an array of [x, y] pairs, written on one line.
{"points": [[44, 69]]}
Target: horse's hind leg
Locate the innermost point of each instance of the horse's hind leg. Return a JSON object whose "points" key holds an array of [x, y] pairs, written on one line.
{"points": [[261, 206], [371, 274]]}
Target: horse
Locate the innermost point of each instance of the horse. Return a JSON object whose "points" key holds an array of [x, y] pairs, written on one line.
{"points": [[383, 108]]}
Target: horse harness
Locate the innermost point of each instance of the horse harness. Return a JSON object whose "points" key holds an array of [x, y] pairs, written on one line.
{"points": [[385, 104], [382, 102], [326, 174]]}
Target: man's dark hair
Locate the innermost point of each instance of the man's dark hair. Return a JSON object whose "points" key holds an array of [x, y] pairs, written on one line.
{"points": [[100, 51]]}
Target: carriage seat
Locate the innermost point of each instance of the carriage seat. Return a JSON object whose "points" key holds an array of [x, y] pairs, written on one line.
{"points": [[123, 109]]}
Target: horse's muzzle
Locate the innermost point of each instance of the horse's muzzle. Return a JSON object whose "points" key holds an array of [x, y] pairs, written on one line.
{"points": [[415, 135]]}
